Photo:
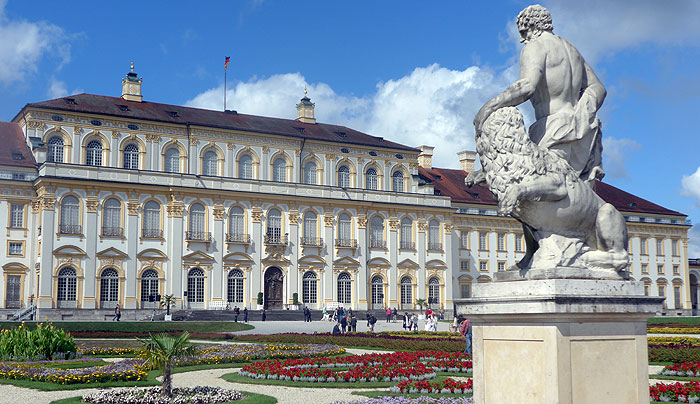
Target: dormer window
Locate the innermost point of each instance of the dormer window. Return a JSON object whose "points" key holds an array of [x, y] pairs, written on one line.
{"points": [[123, 107], [69, 101], [173, 114]]}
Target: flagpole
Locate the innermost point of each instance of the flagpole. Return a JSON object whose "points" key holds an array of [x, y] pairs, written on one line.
{"points": [[225, 69]]}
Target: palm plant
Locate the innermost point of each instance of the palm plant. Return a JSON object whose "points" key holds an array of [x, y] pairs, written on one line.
{"points": [[420, 303], [161, 351], [167, 302]]}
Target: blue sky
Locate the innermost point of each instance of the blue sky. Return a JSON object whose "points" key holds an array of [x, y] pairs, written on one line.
{"points": [[413, 72]]}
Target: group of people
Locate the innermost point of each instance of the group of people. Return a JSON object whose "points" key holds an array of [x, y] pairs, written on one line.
{"points": [[237, 312], [346, 321]]}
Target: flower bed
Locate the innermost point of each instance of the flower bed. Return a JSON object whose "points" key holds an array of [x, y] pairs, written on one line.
{"points": [[448, 386], [189, 395], [125, 370], [661, 341], [673, 352], [418, 400], [673, 330], [392, 342], [684, 369], [394, 367], [676, 393]]}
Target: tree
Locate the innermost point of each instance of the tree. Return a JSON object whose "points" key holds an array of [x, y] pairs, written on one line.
{"points": [[420, 303], [161, 351], [167, 302]]}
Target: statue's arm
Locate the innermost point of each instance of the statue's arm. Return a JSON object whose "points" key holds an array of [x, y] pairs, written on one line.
{"points": [[593, 87], [532, 63], [545, 188]]}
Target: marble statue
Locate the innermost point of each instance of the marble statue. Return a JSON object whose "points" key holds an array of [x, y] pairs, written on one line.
{"points": [[544, 178]]}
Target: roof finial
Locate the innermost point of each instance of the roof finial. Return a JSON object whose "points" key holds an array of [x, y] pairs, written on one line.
{"points": [[132, 66], [305, 91]]}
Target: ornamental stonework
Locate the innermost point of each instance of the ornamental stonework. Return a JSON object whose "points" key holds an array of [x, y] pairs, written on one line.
{"points": [[36, 205], [294, 217], [328, 220], [449, 227], [36, 125], [115, 135], [218, 212], [175, 209], [194, 141], [362, 221], [422, 226], [229, 145], [91, 205], [393, 223], [48, 203], [76, 130], [256, 214], [133, 207]]}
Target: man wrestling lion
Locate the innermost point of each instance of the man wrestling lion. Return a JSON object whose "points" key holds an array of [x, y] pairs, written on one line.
{"points": [[573, 227]]}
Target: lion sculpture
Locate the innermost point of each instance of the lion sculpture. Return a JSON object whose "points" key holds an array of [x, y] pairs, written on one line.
{"points": [[574, 229]]}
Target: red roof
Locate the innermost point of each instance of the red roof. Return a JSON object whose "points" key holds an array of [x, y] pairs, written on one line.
{"points": [[450, 183], [14, 150], [174, 114]]}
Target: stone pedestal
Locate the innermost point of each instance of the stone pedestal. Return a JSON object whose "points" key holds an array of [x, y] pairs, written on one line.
{"points": [[560, 341]]}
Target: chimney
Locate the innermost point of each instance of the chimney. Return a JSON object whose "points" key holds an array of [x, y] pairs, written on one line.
{"points": [[305, 110], [425, 158], [131, 86], [467, 159]]}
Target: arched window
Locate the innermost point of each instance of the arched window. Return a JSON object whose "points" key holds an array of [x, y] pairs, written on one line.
{"points": [[70, 216], [55, 150], [434, 291], [344, 177], [67, 286], [172, 160], [195, 286], [310, 226], [274, 225], [434, 236], [131, 157], [197, 219], [109, 287], [376, 239], [309, 287], [151, 220], [407, 234], [210, 164], [310, 173], [149, 286], [236, 222], [406, 293], [235, 286], [279, 170], [397, 181], [344, 227], [377, 292], [245, 167], [112, 218], [94, 153], [344, 288], [371, 179]]}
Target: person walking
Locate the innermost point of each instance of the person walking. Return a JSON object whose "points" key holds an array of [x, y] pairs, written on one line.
{"points": [[353, 323], [394, 312], [117, 313], [414, 322], [264, 315], [388, 314], [406, 321], [466, 330], [344, 323], [236, 312], [245, 314], [371, 321]]}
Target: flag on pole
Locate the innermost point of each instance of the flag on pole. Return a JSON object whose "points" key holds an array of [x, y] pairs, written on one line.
{"points": [[228, 59]]}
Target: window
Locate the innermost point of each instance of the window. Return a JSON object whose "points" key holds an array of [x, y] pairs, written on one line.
{"points": [[662, 290], [131, 157], [643, 246], [149, 286], [109, 286], [197, 218], [310, 173], [483, 241], [195, 285], [645, 269], [210, 164], [344, 288], [465, 290], [659, 247], [236, 224], [676, 270], [344, 177], [518, 242], [501, 266], [464, 240], [406, 293], [660, 268], [245, 167], [15, 248], [55, 150], [310, 226], [70, 215], [151, 220], [94, 153], [172, 160], [279, 170], [434, 236], [377, 292], [464, 265], [16, 215], [235, 286], [434, 291], [501, 242], [678, 304], [674, 248], [646, 289], [274, 225], [483, 266], [397, 181], [377, 233], [67, 285], [371, 179], [309, 287], [407, 234], [111, 218]]}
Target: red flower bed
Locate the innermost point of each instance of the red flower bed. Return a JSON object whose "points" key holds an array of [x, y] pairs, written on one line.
{"points": [[448, 386], [689, 369], [676, 393]]}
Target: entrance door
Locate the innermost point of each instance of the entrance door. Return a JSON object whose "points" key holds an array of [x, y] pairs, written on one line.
{"points": [[377, 293], [274, 282], [12, 298], [694, 293]]}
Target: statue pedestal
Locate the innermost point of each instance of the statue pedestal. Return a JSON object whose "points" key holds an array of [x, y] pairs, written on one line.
{"points": [[560, 341]]}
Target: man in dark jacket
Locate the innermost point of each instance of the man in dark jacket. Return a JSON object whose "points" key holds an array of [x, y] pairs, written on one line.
{"points": [[344, 323], [353, 323]]}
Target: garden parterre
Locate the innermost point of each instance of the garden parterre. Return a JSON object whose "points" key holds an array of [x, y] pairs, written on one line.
{"points": [[394, 341], [676, 393], [185, 395], [407, 400]]}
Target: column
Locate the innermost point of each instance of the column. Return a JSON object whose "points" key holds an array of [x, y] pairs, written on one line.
{"points": [[48, 232], [132, 237], [451, 268], [393, 273], [90, 269], [329, 292], [362, 275], [192, 157], [216, 279], [293, 277], [230, 160], [421, 248], [174, 233], [257, 237]]}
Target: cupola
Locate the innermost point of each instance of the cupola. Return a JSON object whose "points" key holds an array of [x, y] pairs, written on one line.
{"points": [[305, 110], [131, 86]]}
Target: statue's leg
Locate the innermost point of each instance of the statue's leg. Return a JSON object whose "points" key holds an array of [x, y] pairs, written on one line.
{"points": [[531, 246], [611, 231]]}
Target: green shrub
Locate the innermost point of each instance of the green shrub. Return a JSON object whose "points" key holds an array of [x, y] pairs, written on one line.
{"points": [[43, 342], [260, 297]]}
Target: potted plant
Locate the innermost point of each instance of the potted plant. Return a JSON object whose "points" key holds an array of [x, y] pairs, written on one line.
{"points": [[260, 300], [161, 351], [168, 302], [421, 303], [295, 301]]}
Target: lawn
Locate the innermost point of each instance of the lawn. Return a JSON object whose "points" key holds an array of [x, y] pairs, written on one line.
{"points": [[141, 326], [675, 320], [251, 398]]}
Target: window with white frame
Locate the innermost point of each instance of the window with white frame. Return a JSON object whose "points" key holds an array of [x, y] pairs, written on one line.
{"points": [[483, 266], [483, 241], [344, 288], [643, 246], [151, 220], [310, 225], [676, 270], [518, 242], [465, 290], [344, 227], [94, 153], [310, 176], [406, 292], [109, 285], [172, 160], [309, 287], [501, 266], [279, 170], [195, 285], [15, 248], [660, 268], [645, 269], [210, 163], [464, 265], [55, 150], [236, 221], [111, 217], [674, 247], [464, 240], [501, 242], [434, 291], [70, 211], [371, 179], [434, 236], [131, 157], [245, 167], [67, 285], [149, 285], [274, 225], [16, 215], [344, 177], [197, 218], [235, 286], [397, 181], [377, 232], [407, 234], [659, 247]]}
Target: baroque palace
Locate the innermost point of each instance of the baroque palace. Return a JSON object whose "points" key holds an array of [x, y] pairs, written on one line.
{"points": [[115, 200]]}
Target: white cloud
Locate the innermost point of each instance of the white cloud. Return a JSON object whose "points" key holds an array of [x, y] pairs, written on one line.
{"points": [[23, 43], [694, 242], [691, 185], [431, 105], [57, 89], [615, 152]]}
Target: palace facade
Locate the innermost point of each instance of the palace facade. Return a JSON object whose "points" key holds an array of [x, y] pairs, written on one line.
{"points": [[115, 200]]}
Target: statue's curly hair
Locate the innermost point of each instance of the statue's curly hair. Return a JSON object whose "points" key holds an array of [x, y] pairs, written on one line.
{"points": [[537, 17]]}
